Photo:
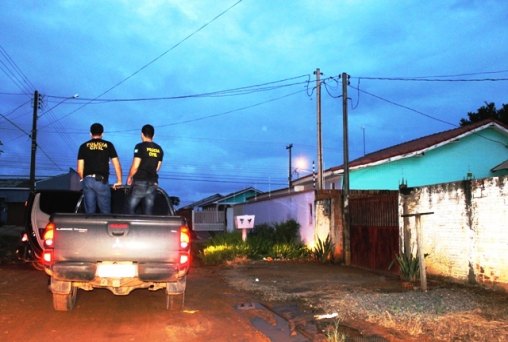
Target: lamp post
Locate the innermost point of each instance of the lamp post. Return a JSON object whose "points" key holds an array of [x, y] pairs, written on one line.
{"points": [[290, 176]]}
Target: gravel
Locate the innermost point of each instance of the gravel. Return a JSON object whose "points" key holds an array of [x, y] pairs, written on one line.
{"points": [[445, 312]]}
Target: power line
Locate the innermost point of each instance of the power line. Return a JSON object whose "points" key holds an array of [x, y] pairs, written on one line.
{"points": [[11, 69], [155, 59], [244, 90], [424, 114]]}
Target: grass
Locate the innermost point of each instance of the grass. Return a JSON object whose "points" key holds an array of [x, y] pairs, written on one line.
{"points": [[279, 241]]}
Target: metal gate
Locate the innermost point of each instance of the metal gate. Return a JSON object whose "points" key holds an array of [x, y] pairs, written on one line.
{"points": [[374, 230]]}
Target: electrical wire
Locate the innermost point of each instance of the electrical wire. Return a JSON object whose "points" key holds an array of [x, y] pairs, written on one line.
{"points": [[424, 114], [11, 69], [155, 59]]}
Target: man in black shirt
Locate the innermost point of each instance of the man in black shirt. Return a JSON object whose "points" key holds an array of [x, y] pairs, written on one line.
{"points": [[93, 168], [143, 173]]}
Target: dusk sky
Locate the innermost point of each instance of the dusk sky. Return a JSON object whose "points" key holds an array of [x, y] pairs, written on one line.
{"points": [[228, 84]]}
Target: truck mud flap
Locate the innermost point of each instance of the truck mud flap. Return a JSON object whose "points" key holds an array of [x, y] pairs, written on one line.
{"points": [[74, 271], [157, 272]]}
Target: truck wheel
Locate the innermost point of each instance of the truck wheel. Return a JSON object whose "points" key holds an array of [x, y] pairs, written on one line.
{"points": [[65, 302]]}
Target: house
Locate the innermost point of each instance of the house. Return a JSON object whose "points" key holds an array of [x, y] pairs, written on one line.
{"points": [[476, 151], [215, 213], [64, 181], [14, 192]]}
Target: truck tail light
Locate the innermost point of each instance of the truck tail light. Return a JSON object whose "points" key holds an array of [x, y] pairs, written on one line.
{"points": [[184, 237], [48, 237], [184, 258]]}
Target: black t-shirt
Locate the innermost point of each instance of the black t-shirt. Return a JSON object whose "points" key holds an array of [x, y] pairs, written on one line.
{"points": [[150, 154], [96, 154]]}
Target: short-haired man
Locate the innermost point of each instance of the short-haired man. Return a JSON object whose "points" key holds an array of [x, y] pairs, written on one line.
{"points": [[143, 175], [93, 168]]}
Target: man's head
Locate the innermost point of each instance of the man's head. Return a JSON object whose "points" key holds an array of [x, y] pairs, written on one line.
{"points": [[96, 129], [148, 131]]}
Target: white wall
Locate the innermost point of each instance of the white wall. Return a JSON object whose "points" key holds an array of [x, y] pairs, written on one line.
{"points": [[467, 234], [298, 206]]}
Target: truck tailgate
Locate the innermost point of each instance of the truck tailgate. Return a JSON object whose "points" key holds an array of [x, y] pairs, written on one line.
{"points": [[92, 238]]}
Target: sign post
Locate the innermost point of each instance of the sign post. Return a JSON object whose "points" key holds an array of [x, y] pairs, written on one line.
{"points": [[244, 222]]}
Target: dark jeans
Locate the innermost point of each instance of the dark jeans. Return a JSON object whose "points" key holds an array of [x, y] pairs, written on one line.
{"points": [[142, 190], [96, 193]]}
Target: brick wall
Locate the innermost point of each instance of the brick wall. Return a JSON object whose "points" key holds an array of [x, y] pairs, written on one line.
{"points": [[466, 236]]}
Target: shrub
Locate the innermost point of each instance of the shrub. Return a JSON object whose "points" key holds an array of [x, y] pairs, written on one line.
{"points": [[259, 247], [280, 241], [222, 248], [323, 252], [409, 266], [287, 232], [289, 251]]}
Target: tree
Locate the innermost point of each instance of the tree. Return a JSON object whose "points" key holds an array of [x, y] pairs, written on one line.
{"points": [[488, 111]]}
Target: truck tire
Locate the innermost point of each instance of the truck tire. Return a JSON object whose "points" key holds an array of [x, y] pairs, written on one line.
{"points": [[65, 301]]}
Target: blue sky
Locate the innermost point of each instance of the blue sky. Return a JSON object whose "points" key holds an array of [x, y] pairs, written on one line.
{"points": [[229, 84]]}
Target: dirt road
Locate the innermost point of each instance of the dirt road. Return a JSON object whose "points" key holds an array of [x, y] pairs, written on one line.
{"points": [[247, 301], [212, 312]]}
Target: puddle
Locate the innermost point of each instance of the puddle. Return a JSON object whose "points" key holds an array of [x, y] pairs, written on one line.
{"points": [[288, 322]]}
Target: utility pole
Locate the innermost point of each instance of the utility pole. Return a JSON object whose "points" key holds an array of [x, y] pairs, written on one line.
{"points": [[363, 129], [290, 176], [319, 143], [345, 188], [34, 141]]}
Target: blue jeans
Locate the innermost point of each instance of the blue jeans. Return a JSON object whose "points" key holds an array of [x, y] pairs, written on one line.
{"points": [[142, 190], [96, 194]]}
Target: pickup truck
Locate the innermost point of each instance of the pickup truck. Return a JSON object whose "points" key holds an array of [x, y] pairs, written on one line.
{"points": [[118, 251]]}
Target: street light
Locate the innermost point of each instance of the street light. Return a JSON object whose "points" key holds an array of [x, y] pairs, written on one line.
{"points": [[290, 176]]}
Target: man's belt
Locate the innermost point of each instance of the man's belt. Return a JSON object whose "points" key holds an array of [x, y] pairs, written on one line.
{"points": [[98, 177]]}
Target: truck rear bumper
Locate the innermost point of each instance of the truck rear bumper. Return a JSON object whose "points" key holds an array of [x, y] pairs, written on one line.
{"points": [[87, 271]]}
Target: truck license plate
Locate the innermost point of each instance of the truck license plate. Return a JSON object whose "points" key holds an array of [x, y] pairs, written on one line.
{"points": [[116, 270]]}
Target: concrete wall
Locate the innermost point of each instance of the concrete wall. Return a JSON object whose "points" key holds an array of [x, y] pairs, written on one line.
{"points": [[466, 237]]}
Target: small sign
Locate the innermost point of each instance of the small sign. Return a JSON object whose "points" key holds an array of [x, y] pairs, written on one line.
{"points": [[245, 221]]}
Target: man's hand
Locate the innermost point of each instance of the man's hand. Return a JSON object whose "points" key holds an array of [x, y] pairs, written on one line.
{"points": [[117, 184]]}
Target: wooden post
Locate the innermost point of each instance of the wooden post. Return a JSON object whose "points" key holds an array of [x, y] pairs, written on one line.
{"points": [[419, 245], [421, 257]]}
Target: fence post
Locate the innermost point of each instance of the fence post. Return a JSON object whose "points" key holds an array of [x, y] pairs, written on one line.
{"points": [[419, 245]]}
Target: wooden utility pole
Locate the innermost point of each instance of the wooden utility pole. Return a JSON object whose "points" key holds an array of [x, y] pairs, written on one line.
{"points": [[345, 188], [319, 143], [33, 135]]}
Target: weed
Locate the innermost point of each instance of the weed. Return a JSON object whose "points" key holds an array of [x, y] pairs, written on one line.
{"points": [[323, 252], [333, 333]]}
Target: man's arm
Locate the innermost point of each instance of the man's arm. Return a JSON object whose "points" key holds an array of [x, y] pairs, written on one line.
{"points": [[134, 168], [118, 171], [81, 167]]}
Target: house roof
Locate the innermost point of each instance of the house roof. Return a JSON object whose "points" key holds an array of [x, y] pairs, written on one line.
{"points": [[14, 183], [219, 199], [502, 166], [421, 145], [236, 194], [203, 202]]}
